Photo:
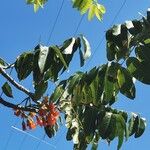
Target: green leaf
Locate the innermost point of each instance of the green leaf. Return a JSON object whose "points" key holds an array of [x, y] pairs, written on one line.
{"points": [[59, 54], [68, 46], [7, 90], [57, 93], [111, 50], [121, 127], [133, 124], [36, 4], [104, 125], [101, 8], [98, 14], [139, 70], [40, 89], [111, 130], [93, 6], [77, 3], [138, 27], [50, 132], [69, 134], [37, 75], [91, 12], [110, 89], [73, 81], [24, 65], [85, 5], [143, 53], [36, 7], [141, 127], [89, 118], [125, 83]]}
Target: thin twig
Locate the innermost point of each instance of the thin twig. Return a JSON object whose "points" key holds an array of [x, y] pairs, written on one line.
{"points": [[13, 106], [17, 85]]}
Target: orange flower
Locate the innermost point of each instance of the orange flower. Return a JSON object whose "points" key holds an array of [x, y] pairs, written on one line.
{"points": [[17, 112], [31, 124], [51, 121]]}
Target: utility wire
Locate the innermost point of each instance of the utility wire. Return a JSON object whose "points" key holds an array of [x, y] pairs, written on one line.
{"points": [[51, 32], [112, 22], [22, 142], [39, 143], [79, 24], [49, 38], [34, 137], [9, 138]]}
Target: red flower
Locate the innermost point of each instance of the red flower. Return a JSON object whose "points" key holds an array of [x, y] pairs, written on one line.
{"points": [[51, 120], [39, 121], [42, 112]]}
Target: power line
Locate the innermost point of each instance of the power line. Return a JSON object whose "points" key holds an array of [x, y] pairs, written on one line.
{"points": [[112, 22], [80, 21], [9, 138], [51, 32], [34, 137], [22, 142], [39, 143]]}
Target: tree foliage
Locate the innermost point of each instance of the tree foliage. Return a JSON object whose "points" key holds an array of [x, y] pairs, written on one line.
{"points": [[91, 6], [85, 98]]}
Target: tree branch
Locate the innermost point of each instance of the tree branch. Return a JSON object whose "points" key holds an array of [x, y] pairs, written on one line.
{"points": [[17, 85], [10, 105]]}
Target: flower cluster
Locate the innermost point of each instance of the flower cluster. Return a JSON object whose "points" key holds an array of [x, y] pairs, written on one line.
{"points": [[47, 115]]}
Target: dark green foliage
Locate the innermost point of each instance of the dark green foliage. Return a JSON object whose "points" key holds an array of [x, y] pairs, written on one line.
{"points": [[24, 65], [86, 98], [7, 90], [47, 63]]}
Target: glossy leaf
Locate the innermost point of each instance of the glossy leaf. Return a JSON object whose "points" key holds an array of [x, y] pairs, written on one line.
{"points": [[133, 124], [121, 126], [60, 56], [24, 65], [40, 89], [125, 83], [50, 132], [58, 92], [91, 12], [93, 8], [7, 90], [143, 53], [139, 70], [68, 46], [141, 127], [36, 3], [104, 125]]}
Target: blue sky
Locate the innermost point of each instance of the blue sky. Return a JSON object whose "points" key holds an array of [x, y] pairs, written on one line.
{"points": [[21, 29]]}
